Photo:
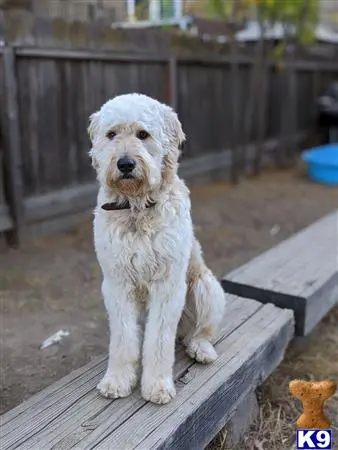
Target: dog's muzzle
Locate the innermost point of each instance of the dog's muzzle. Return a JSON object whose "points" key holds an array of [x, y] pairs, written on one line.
{"points": [[126, 166]]}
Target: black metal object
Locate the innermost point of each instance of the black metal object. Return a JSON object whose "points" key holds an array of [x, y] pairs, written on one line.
{"points": [[328, 114]]}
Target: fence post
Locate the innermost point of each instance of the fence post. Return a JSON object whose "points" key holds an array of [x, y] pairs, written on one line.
{"points": [[172, 81], [281, 154], [293, 113], [12, 150], [261, 117], [237, 162], [316, 136]]}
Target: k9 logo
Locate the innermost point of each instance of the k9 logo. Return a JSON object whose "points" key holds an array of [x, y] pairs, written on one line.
{"points": [[314, 439]]}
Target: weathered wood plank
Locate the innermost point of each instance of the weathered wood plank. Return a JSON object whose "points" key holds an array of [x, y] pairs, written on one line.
{"points": [[61, 202], [300, 273], [235, 114], [58, 413], [261, 119], [59, 224], [293, 116], [33, 124], [12, 147], [208, 396], [36, 52], [24, 97], [2, 125], [245, 413], [6, 222], [84, 111], [70, 163], [95, 55], [75, 377], [144, 79], [172, 82], [50, 150]]}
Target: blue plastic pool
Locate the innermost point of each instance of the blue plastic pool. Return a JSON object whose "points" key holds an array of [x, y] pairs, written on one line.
{"points": [[322, 164]]}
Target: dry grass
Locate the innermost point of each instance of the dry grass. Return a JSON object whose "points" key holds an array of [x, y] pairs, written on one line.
{"points": [[314, 358]]}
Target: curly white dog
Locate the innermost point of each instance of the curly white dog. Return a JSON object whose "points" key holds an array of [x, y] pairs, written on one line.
{"points": [[151, 262]]}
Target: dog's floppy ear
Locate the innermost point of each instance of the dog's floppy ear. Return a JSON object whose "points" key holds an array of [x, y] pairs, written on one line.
{"points": [[93, 125], [174, 131], [173, 128], [92, 131]]}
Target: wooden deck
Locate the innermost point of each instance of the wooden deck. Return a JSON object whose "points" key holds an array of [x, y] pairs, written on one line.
{"points": [[301, 274], [71, 414]]}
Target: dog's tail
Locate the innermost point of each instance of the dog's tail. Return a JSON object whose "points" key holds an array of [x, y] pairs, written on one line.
{"points": [[205, 303]]}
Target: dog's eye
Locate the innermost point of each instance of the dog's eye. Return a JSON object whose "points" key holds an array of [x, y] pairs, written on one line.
{"points": [[110, 135], [142, 135]]}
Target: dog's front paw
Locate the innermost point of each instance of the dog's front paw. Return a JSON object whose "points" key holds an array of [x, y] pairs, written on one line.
{"points": [[116, 386], [202, 351], [158, 391]]}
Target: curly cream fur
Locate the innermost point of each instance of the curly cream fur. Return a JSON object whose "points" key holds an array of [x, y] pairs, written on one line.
{"points": [[152, 264]]}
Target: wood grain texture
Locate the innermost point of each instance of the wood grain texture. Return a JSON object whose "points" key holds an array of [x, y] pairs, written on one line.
{"points": [[71, 414], [59, 433], [46, 413], [246, 412], [300, 273], [208, 396]]}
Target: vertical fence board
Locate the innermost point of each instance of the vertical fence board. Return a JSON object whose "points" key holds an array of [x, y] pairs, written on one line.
{"points": [[86, 170], [71, 119], [34, 126], [276, 110], [65, 143], [2, 126], [305, 106], [292, 114], [111, 74], [24, 99], [96, 77], [51, 152], [315, 136], [151, 80], [261, 117], [12, 157], [234, 98], [172, 82], [204, 107], [183, 112]]}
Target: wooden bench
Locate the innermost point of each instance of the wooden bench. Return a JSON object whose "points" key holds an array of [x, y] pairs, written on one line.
{"points": [[301, 274], [70, 414]]}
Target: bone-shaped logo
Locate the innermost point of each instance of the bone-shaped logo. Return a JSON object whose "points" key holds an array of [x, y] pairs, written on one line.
{"points": [[313, 395]]}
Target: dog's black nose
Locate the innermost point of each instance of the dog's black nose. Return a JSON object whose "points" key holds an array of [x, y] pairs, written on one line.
{"points": [[126, 165]]}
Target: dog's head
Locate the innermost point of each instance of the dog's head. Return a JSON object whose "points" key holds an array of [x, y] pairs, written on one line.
{"points": [[135, 144]]}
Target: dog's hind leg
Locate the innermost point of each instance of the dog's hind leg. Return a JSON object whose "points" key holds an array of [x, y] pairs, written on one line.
{"points": [[204, 309]]}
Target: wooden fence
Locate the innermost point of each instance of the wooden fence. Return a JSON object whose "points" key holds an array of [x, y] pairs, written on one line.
{"points": [[47, 95]]}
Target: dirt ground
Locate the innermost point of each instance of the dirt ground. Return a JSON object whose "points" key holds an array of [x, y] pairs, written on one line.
{"points": [[53, 283]]}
